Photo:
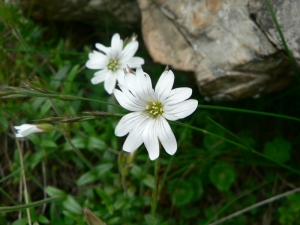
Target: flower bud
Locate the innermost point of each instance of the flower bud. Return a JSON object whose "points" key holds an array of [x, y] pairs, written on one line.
{"points": [[125, 161], [26, 129]]}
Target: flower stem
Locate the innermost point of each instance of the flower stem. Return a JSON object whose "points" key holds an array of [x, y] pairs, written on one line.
{"points": [[24, 181], [66, 134], [155, 192]]}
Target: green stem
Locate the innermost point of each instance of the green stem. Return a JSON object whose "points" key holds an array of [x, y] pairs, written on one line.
{"points": [[242, 146], [24, 181], [77, 151], [79, 154], [247, 111], [252, 150], [29, 205], [155, 192]]}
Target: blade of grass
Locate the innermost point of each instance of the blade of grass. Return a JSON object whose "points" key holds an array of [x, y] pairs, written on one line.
{"points": [[251, 149], [242, 146], [291, 58], [247, 111], [241, 196]]}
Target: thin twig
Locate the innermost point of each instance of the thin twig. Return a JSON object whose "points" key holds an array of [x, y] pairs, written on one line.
{"points": [[255, 206]]}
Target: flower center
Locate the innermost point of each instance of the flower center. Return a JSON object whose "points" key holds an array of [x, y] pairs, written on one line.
{"points": [[155, 109], [113, 65]]}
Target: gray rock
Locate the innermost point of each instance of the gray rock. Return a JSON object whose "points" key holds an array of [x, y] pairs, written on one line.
{"points": [[231, 56]]}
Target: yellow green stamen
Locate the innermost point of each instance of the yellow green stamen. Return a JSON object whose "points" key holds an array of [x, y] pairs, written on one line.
{"points": [[155, 109], [113, 65]]}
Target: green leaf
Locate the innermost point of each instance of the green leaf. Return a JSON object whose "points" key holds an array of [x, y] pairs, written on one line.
{"points": [[212, 142], [56, 81], [96, 143], [55, 192], [43, 219], [149, 181], [289, 212], [23, 221], [181, 192], [197, 187], [107, 200], [72, 205], [3, 123], [222, 175], [48, 143], [70, 78], [279, 149], [36, 158], [45, 108], [94, 174], [78, 142]]}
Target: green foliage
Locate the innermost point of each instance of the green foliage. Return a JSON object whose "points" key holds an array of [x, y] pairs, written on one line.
{"points": [[278, 149], [183, 192], [289, 212], [222, 175], [80, 162]]}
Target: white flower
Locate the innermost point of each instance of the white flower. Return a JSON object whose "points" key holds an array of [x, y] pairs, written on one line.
{"points": [[110, 62], [26, 129], [147, 123]]}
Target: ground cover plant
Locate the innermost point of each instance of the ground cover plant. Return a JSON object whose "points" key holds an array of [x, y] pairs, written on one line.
{"points": [[234, 162]]}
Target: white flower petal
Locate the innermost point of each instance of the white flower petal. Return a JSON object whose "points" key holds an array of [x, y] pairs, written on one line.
{"points": [[110, 82], [144, 85], [100, 60], [178, 95], [102, 48], [97, 61], [116, 45], [97, 56], [166, 136], [151, 141], [135, 62], [164, 85], [181, 110], [95, 64], [120, 76], [125, 101], [99, 76], [135, 138], [135, 95], [128, 122], [130, 82], [26, 129], [132, 98], [129, 51]]}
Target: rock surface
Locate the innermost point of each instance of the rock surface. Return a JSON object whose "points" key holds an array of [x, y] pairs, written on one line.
{"points": [[231, 56], [232, 46], [288, 17]]}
